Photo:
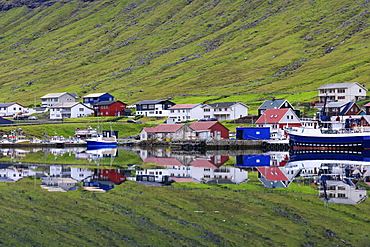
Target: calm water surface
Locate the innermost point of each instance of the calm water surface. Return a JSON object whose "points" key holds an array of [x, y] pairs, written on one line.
{"points": [[340, 177]]}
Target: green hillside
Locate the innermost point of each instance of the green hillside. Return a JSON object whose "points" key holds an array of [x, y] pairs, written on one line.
{"points": [[191, 51]]}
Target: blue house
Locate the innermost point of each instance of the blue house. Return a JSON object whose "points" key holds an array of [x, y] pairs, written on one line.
{"points": [[252, 133], [93, 98]]}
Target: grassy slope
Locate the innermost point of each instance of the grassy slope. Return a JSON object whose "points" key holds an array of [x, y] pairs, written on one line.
{"points": [[192, 51], [183, 215]]}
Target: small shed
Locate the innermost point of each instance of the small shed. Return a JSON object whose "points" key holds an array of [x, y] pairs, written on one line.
{"points": [[252, 160], [252, 133]]}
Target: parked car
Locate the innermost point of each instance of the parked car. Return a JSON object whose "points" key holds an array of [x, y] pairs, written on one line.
{"points": [[130, 121], [32, 118]]}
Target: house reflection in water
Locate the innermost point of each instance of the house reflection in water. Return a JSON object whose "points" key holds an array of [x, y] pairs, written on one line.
{"points": [[103, 180], [340, 191], [206, 170]]}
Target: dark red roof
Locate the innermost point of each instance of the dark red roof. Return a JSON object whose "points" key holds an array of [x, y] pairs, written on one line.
{"points": [[175, 179], [164, 128], [198, 126], [163, 161], [202, 163]]}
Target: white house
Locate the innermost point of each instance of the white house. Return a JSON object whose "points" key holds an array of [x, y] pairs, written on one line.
{"points": [[225, 110], [277, 120], [11, 109], [153, 108], [70, 110], [200, 169], [349, 91], [184, 112], [52, 99]]}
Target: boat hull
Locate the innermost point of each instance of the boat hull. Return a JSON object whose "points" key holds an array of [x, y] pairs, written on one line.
{"points": [[330, 141], [100, 144]]}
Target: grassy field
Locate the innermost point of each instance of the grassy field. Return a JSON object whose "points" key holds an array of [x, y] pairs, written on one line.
{"points": [[181, 215], [191, 52]]}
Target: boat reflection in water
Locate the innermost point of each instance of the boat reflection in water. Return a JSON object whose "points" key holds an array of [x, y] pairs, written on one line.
{"points": [[338, 172]]}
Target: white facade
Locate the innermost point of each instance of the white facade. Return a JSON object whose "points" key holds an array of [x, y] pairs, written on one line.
{"points": [[70, 110], [343, 92], [200, 174], [11, 109], [185, 112], [80, 174], [225, 110], [53, 99]]}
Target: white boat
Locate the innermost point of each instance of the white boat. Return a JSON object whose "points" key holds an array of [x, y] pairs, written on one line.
{"points": [[19, 139], [102, 141]]}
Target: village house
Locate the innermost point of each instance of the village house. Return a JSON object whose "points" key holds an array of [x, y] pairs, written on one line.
{"points": [[166, 132], [342, 109], [225, 110], [70, 110], [201, 169], [91, 99], [276, 177], [184, 112], [210, 129], [111, 108], [12, 109], [153, 108], [277, 120], [342, 92], [341, 191], [52, 99], [276, 104]]}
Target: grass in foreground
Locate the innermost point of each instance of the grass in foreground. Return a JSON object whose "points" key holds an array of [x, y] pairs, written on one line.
{"points": [[181, 215]]}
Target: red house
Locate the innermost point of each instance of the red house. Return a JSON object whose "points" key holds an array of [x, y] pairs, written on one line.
{"points": [[110, 108], [114, 175], [210, 129]]}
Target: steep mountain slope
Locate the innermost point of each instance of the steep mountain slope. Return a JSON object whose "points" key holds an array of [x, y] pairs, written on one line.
{"points": [[192, 51]]}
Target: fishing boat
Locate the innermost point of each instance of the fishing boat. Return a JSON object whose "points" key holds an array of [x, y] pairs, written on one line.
{"points": [[19, 139], [106, 139], [302, 138]]}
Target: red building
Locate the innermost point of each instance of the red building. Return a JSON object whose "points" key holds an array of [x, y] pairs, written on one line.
{"points": [[211, 129], [114, 175], [110, 108]]}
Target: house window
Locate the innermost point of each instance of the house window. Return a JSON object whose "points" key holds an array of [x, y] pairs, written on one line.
{"points": [[81, 109], [206, 110], [207, 116], [172, 111], [145, 106], [359, 91], [341, 97], [341, 90]]}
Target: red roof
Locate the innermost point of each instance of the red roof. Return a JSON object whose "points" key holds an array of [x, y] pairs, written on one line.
{"points": [[198, 126], [272, 173], [367, 105], [164, 128], [163, 161], [183, 106], [272, 116], [202, 163]]}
